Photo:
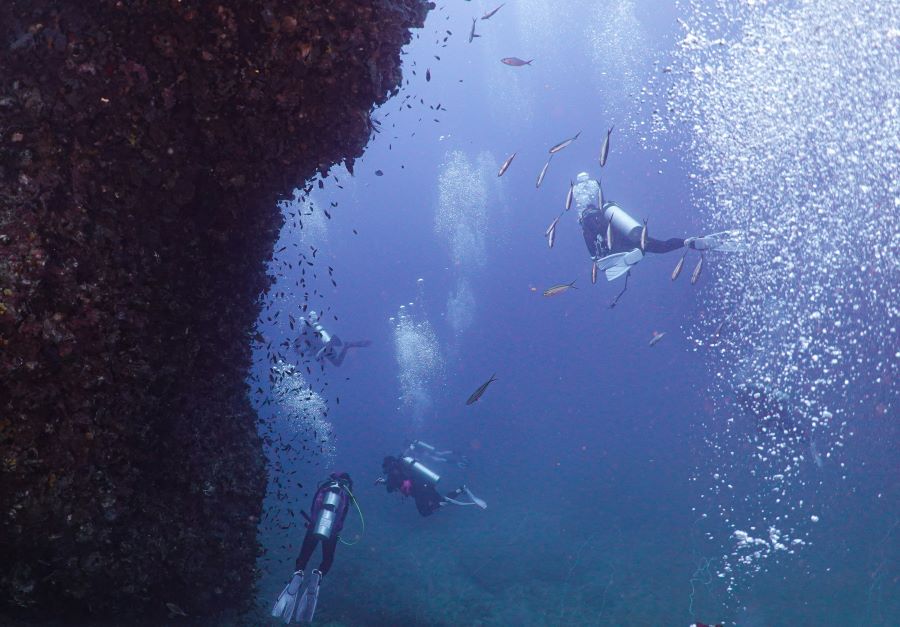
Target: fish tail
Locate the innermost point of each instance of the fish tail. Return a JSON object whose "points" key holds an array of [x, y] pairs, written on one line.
{"points": [[529, 62], [572, 285]]}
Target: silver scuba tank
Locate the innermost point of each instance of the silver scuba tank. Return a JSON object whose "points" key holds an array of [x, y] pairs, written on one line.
{"points": [[313, 319], [328, 514], [422, 471], [622, 222]]}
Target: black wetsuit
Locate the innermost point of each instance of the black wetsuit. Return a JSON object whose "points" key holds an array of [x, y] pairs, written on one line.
{"points": [[428, 499], [593, 224], [329, 544]]}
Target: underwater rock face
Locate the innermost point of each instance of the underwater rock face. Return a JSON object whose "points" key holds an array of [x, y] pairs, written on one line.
{"points": [[143, 148]]}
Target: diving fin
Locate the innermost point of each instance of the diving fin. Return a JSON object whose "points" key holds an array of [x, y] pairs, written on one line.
{"points": [[286, 605], [479, 502], [617, 264], [306, 608], [724, 241]]}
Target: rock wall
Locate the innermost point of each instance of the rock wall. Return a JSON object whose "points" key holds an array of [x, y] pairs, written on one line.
{"points": [[143, 147]]}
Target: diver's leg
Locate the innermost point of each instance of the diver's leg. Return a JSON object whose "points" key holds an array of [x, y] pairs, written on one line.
{"points": [[455, 493], [306, 551], [663, 246], [337, 359], [328, 548], [654, 245]]}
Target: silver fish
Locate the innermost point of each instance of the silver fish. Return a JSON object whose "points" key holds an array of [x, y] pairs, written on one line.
{"points": [[514, 61], [593, 273], [472, 34], [604, 149], [543, 173], [564, 143], [490, 14], [600, 194], [644, 237], [559, 289], [570, 196], [697, 270], [609, 233], [656, 338], [551, 236], [678, 267], [505, 166], [481, 388], [552, 226]]}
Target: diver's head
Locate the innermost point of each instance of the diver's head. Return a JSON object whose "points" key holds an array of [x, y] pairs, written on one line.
{"points": [[390, 463], [582, 177], [343, 479]]}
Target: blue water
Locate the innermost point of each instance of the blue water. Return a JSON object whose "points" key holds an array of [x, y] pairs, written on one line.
{"points": [[591, 448]]}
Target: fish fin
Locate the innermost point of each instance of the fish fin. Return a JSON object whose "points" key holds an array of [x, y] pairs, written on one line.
{"points": [[529, 62]]}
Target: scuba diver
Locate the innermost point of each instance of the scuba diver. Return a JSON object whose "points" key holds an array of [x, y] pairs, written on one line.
{"points": [[332, 349], [616, 258], [425, 450], [331, 503], [411, 477]]}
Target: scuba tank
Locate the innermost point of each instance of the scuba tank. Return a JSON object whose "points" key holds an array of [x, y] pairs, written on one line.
{"points": [[421, 471], [313, 320], [324, 524], [622, 222]]}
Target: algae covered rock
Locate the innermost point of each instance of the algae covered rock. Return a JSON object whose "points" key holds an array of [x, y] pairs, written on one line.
{"points": [[143, 148]]}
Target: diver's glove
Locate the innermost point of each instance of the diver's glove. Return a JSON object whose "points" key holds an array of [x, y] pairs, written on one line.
{"points": [[724, 241]]}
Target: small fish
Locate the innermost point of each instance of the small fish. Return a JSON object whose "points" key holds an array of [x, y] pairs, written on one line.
{"points": [[697, 270], [564, 143], [175, 610], [644, 237], [490, 14], [609, 232], [656, 338], [593, 273], [570, 195], [472, 34], [559, 289], [543, 173], [552, 226], [604, 149], [600, 193], [428, 74], [505, 166], [481, 388], [515, 61], [551, 236], [678, 267]]}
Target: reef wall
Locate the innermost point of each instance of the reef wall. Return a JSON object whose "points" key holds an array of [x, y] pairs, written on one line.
{"points": [[143, 147]]}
